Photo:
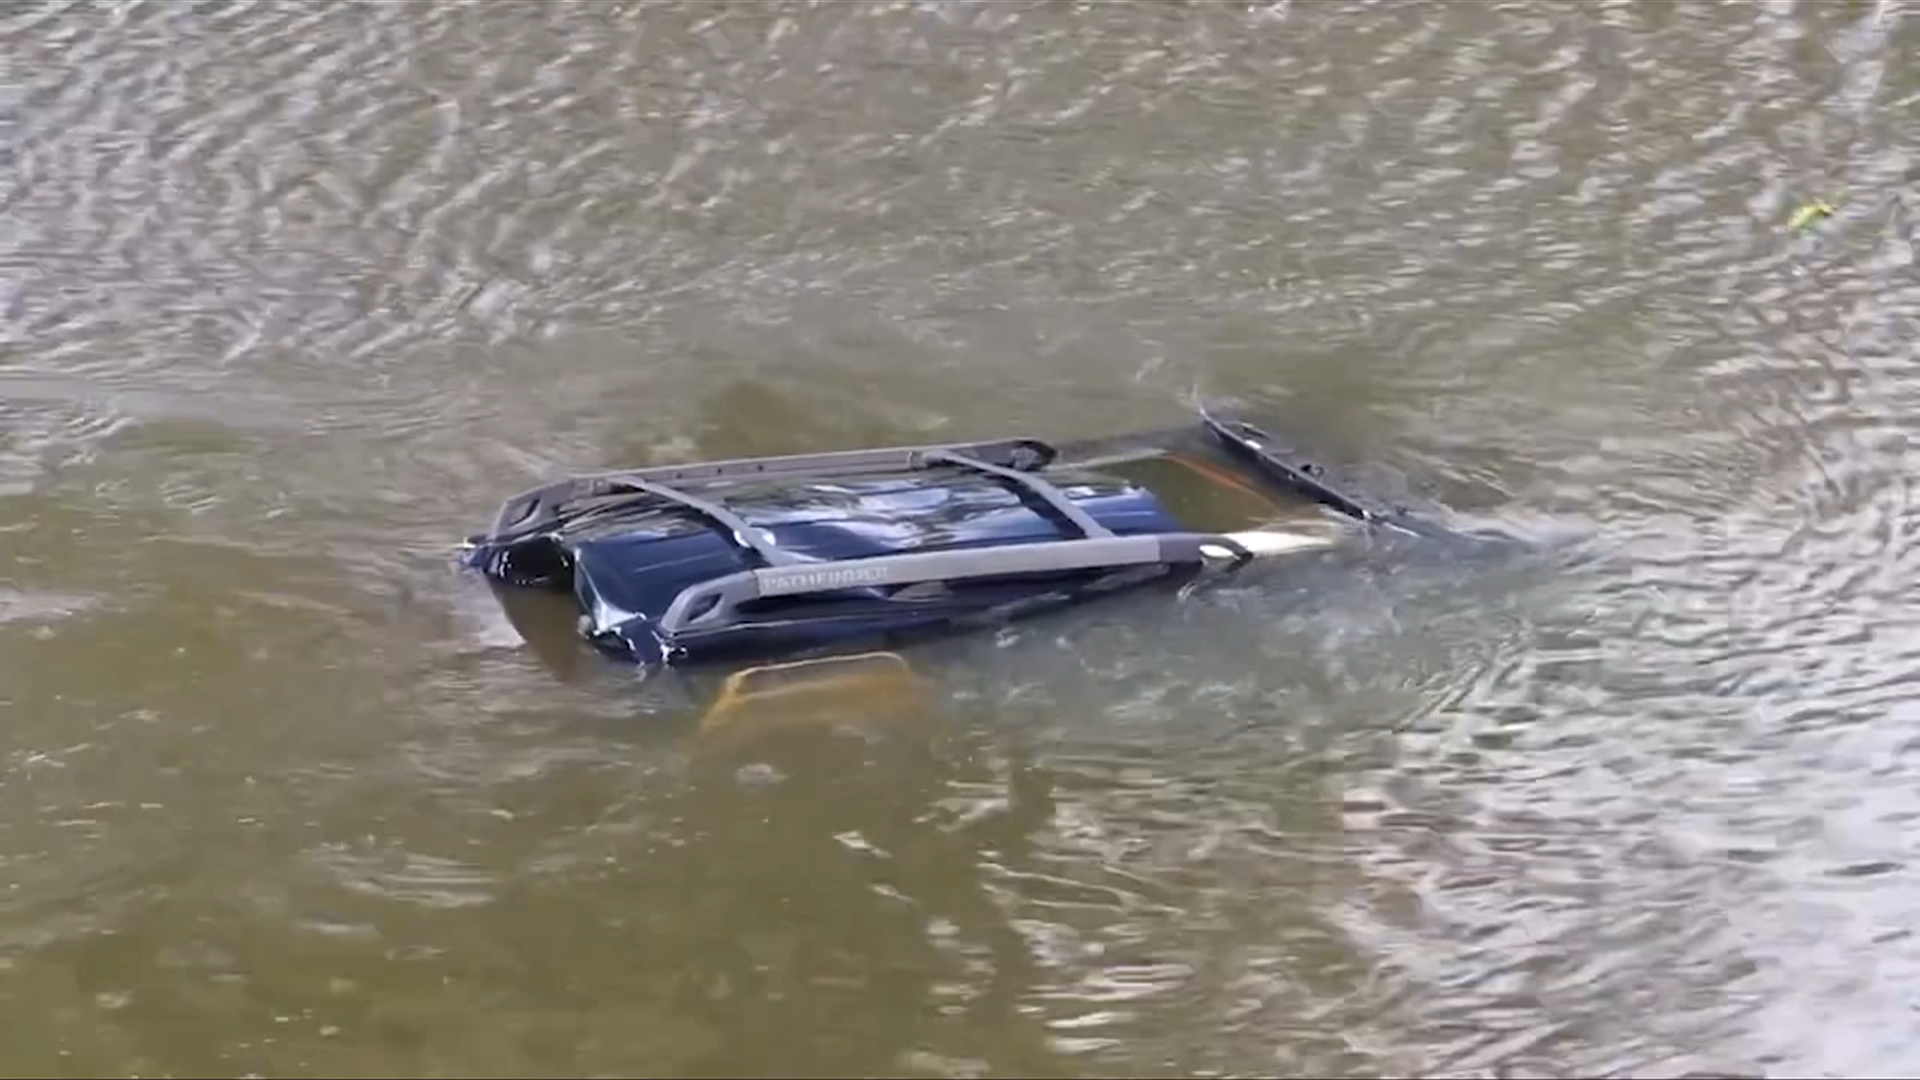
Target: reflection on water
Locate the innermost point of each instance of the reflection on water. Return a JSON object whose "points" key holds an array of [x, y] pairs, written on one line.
{"points": [[291, 295]]}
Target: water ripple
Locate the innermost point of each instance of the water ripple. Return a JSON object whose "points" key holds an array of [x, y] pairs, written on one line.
{"points": [[289, 294]]}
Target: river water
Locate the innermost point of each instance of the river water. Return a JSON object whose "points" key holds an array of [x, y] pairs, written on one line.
{"points": [[293, 294]]}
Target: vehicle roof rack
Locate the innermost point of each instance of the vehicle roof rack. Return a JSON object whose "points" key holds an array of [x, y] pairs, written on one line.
{"points": [[714, 604], [538, 508]]}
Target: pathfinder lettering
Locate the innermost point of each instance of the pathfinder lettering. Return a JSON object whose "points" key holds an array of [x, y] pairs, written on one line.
{"points": [[805, 580]]}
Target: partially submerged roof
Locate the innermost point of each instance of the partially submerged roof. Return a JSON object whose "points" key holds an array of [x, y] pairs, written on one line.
{"points": [[772, 555]]}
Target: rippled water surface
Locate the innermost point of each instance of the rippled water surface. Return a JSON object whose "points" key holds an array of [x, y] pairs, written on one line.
{"points": [[292, 294]]}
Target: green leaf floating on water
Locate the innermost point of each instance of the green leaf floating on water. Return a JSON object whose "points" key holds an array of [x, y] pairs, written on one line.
{"points": [[1810, 212]]}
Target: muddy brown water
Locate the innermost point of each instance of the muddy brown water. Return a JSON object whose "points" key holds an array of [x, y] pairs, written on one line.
{"points": [[292, 294]]}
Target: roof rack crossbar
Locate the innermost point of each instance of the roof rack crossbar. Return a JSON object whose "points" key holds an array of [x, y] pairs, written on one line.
{"points": [[1050, 494], [736, 526]]}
